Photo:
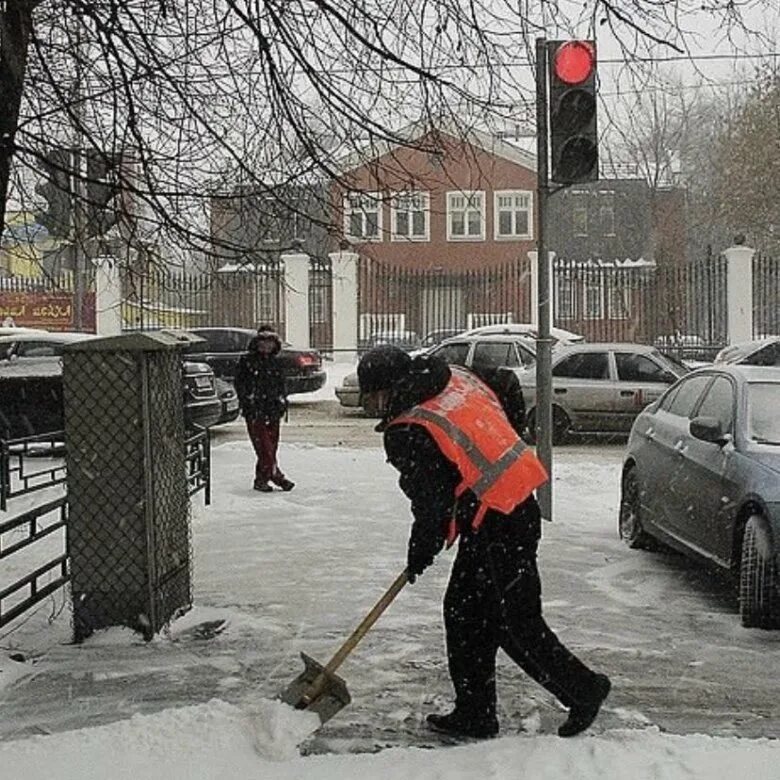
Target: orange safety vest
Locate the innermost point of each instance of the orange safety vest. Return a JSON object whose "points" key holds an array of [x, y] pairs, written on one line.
{"points": [[468, 424]]}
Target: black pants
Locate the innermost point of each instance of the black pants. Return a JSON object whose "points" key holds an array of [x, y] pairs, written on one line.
{"points": [[493, 601]]}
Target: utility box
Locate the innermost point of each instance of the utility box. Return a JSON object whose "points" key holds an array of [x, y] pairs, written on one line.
{"points": [[128, 527]]}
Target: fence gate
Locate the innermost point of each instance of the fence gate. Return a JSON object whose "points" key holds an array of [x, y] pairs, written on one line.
{"points": [[33, 546]]}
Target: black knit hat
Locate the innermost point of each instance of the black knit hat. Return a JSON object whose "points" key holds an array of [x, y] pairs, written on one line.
{"points": [[381, 367]]}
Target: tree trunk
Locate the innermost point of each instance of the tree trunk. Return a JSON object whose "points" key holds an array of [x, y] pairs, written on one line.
{"points": [[15, 30]]}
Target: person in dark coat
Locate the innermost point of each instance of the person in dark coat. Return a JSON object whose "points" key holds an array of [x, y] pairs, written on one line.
{"points": [[260, 386], [493, 599]]}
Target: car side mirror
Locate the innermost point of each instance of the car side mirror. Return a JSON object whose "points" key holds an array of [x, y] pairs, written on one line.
{"points": [[708, 429]]}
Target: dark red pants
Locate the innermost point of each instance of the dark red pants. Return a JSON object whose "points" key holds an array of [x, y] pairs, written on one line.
{"points": [[264, 436]]}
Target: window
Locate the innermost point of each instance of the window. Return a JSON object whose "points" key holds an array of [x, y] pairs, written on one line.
{"points": [[564, 297], [763, 419], [493, 355], [607, 214], [579, 220], [687, 395], [719, 403], [363, 216], [617, 299], [465, 216], [453, 353], [39, 349], [583, 365], [512, 214], [639, 368], [410, 216], [594, 300]]}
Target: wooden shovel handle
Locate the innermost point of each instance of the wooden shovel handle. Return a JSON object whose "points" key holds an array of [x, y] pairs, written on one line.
{"points": [[367, 622], [319, 683]]}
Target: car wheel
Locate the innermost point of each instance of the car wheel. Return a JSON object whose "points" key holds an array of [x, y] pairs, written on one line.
{"points": [[630, 526], [561, 426], [759, 597]]}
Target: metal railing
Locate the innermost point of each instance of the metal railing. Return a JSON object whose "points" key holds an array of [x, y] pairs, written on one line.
{"points": [[33, 526], [21, 471]]}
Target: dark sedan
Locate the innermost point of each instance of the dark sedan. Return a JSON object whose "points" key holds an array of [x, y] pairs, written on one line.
{"points": [[31, 386], [702, 474], [223, 347]]}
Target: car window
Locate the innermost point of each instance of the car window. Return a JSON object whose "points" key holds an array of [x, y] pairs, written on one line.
{"points": [[494, 354], [632, 367], [763, 419], [38, 349], [583, 365], [766, 356], [719, 403], [199, 347], [453, 353], [527, 356], [688, 393]]}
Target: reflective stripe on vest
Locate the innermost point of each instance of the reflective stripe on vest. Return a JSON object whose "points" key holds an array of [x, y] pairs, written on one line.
{"points": [[468, 424]]}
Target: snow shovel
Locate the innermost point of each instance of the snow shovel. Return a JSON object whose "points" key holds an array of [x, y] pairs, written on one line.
{"points": [[317, 688]]}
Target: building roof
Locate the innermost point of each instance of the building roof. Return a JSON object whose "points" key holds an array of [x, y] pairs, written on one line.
{"points": [[418, 130]]}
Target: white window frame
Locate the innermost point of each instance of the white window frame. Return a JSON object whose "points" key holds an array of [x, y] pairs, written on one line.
{"points": [[425, 209], [579, 209], [596, 312], [529, 210], [450, 211], [565, 297], [374, 202], [618, 300]]}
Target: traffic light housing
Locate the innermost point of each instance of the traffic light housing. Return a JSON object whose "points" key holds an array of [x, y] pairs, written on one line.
{"points": [[102, 187], [57, 189], [574, 153]]}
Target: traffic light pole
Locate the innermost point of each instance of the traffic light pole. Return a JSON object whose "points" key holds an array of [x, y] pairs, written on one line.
{"points": [[544, 341]]}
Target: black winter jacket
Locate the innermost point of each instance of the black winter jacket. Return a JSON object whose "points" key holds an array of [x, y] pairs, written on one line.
{"points": [[427, 477], [260, 384]]}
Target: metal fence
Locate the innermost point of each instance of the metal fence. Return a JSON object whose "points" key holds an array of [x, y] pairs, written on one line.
{"points": [[766, 296], [238, 297], [410, 305], [678, 308]]}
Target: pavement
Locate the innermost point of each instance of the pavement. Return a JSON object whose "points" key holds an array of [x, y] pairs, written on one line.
{"points": [[667, 632]]}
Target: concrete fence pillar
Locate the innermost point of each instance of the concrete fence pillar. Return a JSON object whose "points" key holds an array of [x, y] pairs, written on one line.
{"points": [[739, 292], [108, 296], [345, 305], [296, 299]]}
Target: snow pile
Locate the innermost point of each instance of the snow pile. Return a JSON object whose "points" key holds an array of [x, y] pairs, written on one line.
{"points": [[217, 740], [278, 729]]}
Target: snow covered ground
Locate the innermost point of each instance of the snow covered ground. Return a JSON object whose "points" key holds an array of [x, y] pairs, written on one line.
{"points": [[296, 571]]}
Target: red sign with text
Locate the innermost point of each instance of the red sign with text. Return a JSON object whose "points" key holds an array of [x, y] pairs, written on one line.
{"points": [[47, 310]]}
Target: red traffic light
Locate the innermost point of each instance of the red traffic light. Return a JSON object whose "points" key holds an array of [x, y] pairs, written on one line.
{"points": [[574, 62]]}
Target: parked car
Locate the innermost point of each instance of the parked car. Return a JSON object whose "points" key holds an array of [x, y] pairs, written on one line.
{"points": [[223, 347], [702, 474], [407, 340], [435, 337], [525, 329], [229, 400], [600, 388], [761, 352], [484, 353], [31, 377]]}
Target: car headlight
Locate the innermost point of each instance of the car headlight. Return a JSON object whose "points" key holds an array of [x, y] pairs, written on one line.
{"points": [[351, 380]]}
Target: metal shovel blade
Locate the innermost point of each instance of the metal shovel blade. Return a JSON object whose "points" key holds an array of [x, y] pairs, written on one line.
{"points": [[310, 692]]}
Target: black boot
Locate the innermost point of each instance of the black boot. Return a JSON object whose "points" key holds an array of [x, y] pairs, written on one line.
{"points": [[582, 715], [286, 484], [262, 486], [463, 726]]}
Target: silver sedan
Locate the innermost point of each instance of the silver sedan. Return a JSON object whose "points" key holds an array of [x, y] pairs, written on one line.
{"points": [[600, 388]]}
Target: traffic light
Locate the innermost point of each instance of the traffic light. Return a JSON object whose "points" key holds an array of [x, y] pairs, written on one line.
{"points": [[57, 189], [573, 137], [102, 187]]}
